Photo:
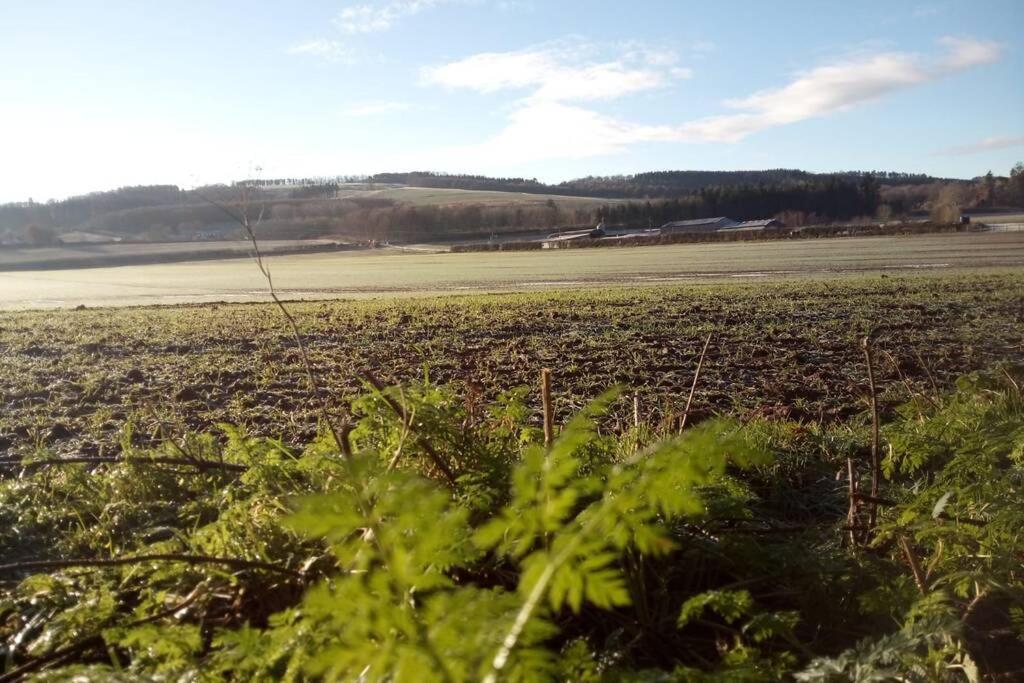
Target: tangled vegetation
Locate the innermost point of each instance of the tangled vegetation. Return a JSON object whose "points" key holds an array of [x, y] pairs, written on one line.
{"points": [[453, 545]]}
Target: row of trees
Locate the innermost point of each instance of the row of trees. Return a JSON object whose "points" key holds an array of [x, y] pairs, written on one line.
{"points": [[660, 184]]}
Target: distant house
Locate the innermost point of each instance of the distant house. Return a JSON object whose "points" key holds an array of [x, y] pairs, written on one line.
{"points": [[697, 225]]}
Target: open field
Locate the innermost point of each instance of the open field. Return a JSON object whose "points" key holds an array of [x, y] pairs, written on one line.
{"points": [[175, 541], [371, 273], [92, 255], [70, 380]]}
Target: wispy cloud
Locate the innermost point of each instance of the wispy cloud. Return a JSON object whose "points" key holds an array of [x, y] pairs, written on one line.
{"points": [[372, 17], [986, 145], [550, 121], [369, 17], [963, 53], [375, 108], [329, 50], [925, 11]]}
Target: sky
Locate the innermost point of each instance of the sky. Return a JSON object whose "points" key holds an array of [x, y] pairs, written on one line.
{"points": [[97, 95]]}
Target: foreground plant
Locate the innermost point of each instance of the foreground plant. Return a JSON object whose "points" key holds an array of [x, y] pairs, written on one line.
{"points": [[719, 553]]}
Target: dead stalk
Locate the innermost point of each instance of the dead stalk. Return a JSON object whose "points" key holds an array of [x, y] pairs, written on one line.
{"points": [[549, 410], [876, 463], [851, 514], [931, 377], [693, 387], [914, 567]]}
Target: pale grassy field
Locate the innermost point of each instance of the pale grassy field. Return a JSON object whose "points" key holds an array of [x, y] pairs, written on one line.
{"points": [[377, 273], [74, 255]]}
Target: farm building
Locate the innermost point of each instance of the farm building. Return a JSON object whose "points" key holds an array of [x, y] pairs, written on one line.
{"points": [[81, 237], [560, 239], [718, 224], [697, 225], [753, 226]]}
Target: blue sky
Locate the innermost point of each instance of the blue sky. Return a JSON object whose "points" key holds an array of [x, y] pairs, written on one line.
{"points": [[95, 95]]}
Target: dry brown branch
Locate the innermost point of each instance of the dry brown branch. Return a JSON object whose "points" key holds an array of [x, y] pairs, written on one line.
{"points": [[403, 414], [874, 500]]}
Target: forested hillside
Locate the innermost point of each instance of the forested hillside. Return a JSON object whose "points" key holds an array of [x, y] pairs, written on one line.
{"points": [[650, 184], [370, 208]]}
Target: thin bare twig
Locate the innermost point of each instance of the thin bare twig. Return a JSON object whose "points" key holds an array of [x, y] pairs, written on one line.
{"points": [[910, 389], [406, 430], [931, 377], [693, 387], [314, 386]]}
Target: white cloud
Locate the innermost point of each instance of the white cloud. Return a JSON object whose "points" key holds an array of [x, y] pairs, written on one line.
{"points": [[558, 73], [372, 17], [838, 87], [547, 123], [330, 50], [986, 145], [375, 108], [542, 130]]}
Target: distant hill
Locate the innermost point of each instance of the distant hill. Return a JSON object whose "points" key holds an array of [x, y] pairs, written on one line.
{"points": [[427, 205]]}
